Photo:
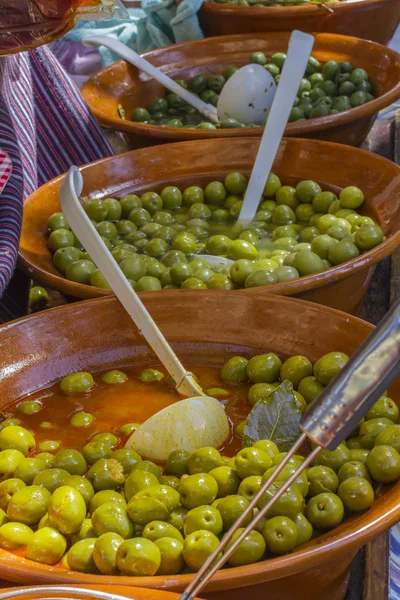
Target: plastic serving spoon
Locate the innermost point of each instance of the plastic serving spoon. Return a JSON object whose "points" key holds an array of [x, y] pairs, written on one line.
{"points": [[80, 223], [300, 46], [141, 63], [246, 96], [200, 415]]}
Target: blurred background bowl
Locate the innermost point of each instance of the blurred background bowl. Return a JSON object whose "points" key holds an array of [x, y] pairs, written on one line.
{"points": [[374, 20]]}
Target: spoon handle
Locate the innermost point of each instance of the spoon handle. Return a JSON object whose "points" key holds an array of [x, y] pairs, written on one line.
{"points": [[81, 225], [141, 63], [300, 46]]}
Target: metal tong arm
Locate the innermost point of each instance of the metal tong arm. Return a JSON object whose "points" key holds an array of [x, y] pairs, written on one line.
{"points": [[349, 396]]}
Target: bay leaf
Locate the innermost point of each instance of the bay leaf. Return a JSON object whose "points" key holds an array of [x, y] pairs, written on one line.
{"points": [[275, 418]]}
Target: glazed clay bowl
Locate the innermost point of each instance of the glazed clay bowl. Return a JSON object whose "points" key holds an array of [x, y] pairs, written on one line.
{"points": [[90, 593], [374, 20], [197, 163], [123, 85], [205, 331]]}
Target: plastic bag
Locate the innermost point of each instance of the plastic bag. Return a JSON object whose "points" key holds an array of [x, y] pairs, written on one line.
{"points": [[26, 24]]}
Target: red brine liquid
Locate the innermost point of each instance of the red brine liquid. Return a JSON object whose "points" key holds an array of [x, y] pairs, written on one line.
{"points": [[25, 24]]}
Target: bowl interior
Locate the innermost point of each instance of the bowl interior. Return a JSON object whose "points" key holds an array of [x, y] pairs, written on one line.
{"points": [[207, 329], [333, 166], [123, 85]]}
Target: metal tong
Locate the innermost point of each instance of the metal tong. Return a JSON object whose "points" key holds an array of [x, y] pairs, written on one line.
{"points": [[327, 423], [73, 593]]}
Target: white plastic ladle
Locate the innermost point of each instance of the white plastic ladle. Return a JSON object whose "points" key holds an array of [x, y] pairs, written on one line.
{"points": [[81, 225], [300, 47], [246, 96]]}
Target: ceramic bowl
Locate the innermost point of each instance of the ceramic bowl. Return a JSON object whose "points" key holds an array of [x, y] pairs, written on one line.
{"points": [[123, 85], [374, 20], [98, 335], [84, 592], [334, 166]]}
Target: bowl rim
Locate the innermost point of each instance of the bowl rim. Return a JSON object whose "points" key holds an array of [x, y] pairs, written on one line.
{"points": [[370, 109], [14, 568], [297, 286], [283, 11]]}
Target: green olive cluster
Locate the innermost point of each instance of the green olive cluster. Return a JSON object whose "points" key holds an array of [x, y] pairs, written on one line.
{"points": [[106, 510], [156, 237], [326, 89], [265, 373]]}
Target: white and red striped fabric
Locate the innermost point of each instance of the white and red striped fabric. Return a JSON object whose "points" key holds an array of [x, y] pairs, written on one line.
{"points": [[5, 169], [45, 127]]}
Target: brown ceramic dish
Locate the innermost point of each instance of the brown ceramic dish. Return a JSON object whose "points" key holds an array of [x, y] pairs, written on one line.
{"points": [[206, 329], [374, 20], [123, 591], [334, 166], [122, 84]]}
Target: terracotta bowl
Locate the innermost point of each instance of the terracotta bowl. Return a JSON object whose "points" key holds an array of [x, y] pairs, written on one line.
{"points": [[205, 330], [332, 165], [124, 591], [122, 84], [374, 20]]}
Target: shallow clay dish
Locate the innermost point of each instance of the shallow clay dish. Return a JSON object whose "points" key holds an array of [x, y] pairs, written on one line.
{"points": [[206, 329], [334, 166], [374, 20], [124, 591], [122, 84]]}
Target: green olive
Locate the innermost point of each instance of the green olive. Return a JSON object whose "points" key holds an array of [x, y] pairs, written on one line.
{"points": [[227, 479], [264, 368], [16, 438], [111, 518], [138, 556], [325, 511], [28, 505], [77, 383], [70, 460], [14, 536], [105, 553], [329, 365], [280, 534], [46, 546], [7, 489], [197, 547], [67, 510], [356, 493], [234, 370], [204, 460], [51, 479], [80, 556], [106, 474]]}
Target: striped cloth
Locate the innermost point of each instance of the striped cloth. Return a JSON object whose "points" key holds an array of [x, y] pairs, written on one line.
{"points": [[44, 127]]}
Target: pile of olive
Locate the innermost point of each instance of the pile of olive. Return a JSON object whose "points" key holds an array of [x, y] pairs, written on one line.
{"points": [[155, 237], [105, 510], [325, 90], [266, 372]]}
